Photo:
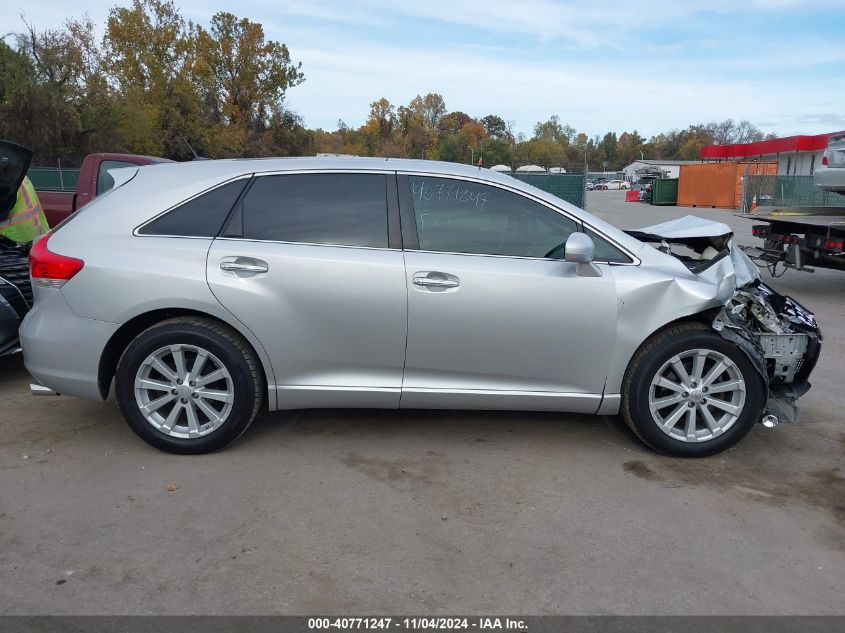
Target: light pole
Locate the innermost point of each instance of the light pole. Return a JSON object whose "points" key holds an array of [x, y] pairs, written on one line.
{"points": [[472, 155]]}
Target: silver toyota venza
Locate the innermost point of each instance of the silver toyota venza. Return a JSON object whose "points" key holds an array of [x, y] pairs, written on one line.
{"points": [[200, 289]]}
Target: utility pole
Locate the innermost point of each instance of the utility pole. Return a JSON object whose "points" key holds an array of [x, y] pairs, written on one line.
{"points": [[472, 155]]}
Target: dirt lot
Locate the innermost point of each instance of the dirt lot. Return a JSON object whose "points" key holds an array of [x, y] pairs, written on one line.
{"points": [[428, 512]]}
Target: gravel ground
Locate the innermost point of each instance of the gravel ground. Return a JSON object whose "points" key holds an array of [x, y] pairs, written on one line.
{"points": [[428, 512]]}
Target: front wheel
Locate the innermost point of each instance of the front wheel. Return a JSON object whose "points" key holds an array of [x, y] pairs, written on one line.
{"points": [[188, 385], [690, 393]]}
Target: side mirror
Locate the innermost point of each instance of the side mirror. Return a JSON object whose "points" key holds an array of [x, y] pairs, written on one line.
{"points": [[579, 250]]}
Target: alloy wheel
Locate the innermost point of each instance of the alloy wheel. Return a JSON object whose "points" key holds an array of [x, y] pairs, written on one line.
{"points": [[184, 391], [697, 395]]}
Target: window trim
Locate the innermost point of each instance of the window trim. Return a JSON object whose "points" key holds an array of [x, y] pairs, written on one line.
{"points": [[392, 199], [391, 207], [400, 213], [411, 238], [136, 231]]}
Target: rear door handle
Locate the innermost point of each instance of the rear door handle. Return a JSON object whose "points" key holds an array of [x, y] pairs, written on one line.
{"points": [[435, 279], [243, 266]]}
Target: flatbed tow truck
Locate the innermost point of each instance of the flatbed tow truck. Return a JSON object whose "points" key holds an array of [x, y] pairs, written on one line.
{"points": [[798, 237]]}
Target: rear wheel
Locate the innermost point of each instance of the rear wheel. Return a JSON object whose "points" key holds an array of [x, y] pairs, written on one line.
{"points": [[188, 385], [690, 393]]}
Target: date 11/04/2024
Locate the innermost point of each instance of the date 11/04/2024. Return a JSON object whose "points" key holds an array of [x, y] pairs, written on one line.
{"points": [[418, 623]]}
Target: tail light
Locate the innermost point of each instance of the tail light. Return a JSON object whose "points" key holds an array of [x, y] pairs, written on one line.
{"points": [[50, 269], [834, 244], [824, 158]]}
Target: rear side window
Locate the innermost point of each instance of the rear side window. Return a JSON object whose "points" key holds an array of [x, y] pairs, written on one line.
{"points": [[339, 209], [202, 216]]}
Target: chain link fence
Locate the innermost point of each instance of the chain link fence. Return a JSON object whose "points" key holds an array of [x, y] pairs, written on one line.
{"points": [[568, 186], [566, 181], [53, 178], [787, 191]]}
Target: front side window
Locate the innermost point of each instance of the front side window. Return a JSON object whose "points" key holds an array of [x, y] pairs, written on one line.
{"points": [[338, 209], [456, 216], [104, 178]]}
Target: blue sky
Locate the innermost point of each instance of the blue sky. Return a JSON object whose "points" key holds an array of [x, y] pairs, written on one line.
{"points": [[600, 66]]}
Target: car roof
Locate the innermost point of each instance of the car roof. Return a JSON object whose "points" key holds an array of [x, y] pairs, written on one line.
{"points": [[238, 166]]}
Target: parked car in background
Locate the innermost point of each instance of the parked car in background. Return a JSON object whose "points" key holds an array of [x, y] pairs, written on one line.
{"points": [[644, 194], [200, 289], [616, 184], [94, 180], [830, 175], [643, 182], [590, 185]]}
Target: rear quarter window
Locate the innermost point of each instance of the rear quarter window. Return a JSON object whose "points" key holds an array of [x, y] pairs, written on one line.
{"points": [[202, 216]]}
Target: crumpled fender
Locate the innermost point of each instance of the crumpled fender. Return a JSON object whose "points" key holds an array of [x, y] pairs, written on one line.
{"points": [[667, 290]]}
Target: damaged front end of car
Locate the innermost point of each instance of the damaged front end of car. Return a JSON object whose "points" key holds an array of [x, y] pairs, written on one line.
{"points": [[780, 337]]}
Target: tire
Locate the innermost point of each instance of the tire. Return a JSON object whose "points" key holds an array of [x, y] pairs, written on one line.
{"points": [[194, 416], [740, 387]]}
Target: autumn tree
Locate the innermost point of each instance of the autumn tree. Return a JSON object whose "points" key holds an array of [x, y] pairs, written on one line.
{"points": [[243, 77], [495, 126], [147, 46], [380, 126]]}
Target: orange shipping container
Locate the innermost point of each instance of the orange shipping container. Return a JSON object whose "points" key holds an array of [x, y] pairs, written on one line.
{"points": [[717, 184]]}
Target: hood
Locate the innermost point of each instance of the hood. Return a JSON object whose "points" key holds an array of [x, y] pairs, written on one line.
{"points": [[14, 163], [686, 227], [700, 244]]}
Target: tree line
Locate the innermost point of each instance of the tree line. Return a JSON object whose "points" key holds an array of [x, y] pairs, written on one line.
{"points": [[157, 84]]}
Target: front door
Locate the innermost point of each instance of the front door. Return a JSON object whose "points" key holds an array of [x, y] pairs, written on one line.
{"points": [[496, 319], [305, 263]]}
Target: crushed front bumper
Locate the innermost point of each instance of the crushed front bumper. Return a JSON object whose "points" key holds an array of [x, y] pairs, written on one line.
{"points": [[780, 337]]}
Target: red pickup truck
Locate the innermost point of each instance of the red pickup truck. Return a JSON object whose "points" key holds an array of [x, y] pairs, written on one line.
{"points": [[94, 179]]}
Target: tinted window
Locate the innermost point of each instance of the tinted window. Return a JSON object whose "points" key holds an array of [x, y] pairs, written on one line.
{"points": [[341, 209], [607, 252], [104, 179], [465, 217], [201, 217]]}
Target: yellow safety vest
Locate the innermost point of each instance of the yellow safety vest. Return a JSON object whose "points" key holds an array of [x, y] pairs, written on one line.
{"points": [[26, 220]]}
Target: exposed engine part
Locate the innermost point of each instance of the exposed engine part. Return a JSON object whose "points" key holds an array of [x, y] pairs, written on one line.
{"points": [[778, 335], [787, 351]]}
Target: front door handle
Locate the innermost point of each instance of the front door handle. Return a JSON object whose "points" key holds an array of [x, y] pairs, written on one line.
{"points": [[435, 279], [243, 266]]}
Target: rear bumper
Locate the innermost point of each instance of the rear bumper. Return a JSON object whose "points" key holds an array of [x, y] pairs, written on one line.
{"points": [[62, 349]]}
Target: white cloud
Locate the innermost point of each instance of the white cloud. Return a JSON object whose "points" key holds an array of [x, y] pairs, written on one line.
{"points": [[590, 63]]}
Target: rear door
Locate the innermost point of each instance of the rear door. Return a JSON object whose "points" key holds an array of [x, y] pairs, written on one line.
{"points": [[311, 263]]}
